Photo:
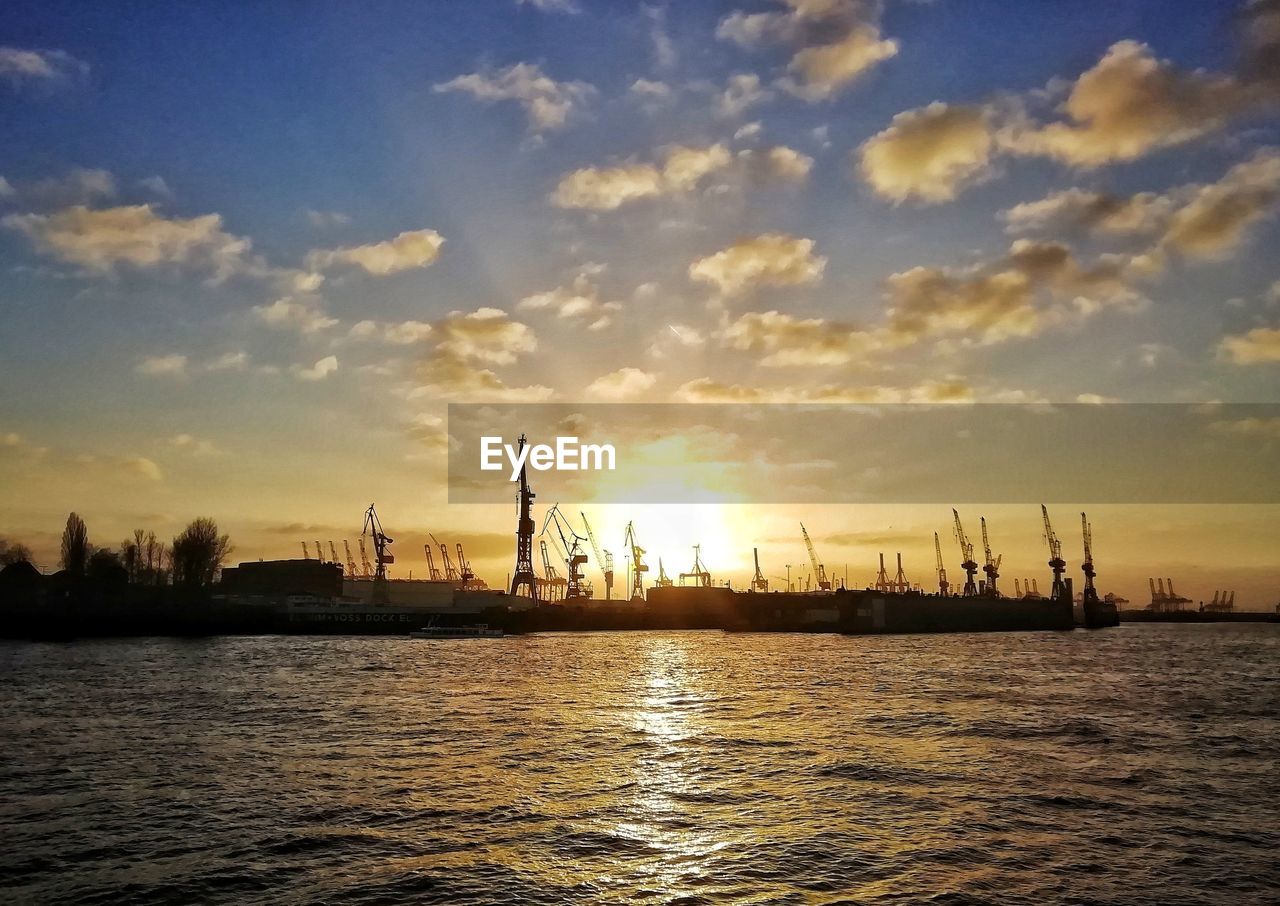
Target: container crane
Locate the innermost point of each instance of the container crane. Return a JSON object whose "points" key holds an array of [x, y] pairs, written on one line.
{"points": [[638, 566], [333, 554], [900, 580], [432, 572], [664, 581], [758, 582], [882, 578], [382, 556], [819, 571], [943, 586], [351, 562], [366, 569], [969, 565], [992, 566], [319, 552], [306, 552], [554, 583], [1056, 563], [699, 572], [605, 561], [571, 543], [450, 574], [465, 573], [1090, 594]]}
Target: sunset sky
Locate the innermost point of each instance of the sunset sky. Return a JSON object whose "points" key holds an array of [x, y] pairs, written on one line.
{"points": [[249, 252]]}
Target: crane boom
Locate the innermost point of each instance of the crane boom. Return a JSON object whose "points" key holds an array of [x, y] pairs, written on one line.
{"points": [[571, 542], [943, 586], [1090, 593], [382, 556], [638, 566], [969, 565], [604, 560], [1056, 563], [432, 571], [351, 561], [819, 571], [992, 565]]}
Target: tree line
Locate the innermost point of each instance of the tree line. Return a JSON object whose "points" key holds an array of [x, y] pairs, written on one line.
{"points": [[192, 559]]}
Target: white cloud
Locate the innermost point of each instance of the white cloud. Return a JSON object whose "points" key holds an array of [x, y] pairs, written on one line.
{"points": [[578, 302], [156, 186], [1258, 346], [410, 249], [826, 69], [18, 65], [172, 365], [552, 6], [319, 371], [771, 259], [623, 384], [787, 341], [928, 154], [289, 313], [324, 219], [398, 333], [228, 361], [143, 467], [195, 446], [741, 92], [485, 335], [547, 103]]}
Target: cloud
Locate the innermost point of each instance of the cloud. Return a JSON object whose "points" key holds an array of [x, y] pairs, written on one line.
{"points": [[77, 186], [324, 219], [449, 376], [402, 333], [552, 6], [156, 186], [288, 313], [776, 164], [928, 154], [771, 259], [143, 467], [579, 302], [134, 235], [708, 390], [623, 384], [319, 371], [1130, 103], [1089, 211], [741, 92], [1250, 427], [608, 188], [788, 341], [1215, 219], [1259, 346], [410, 249], [18, 66], [172, 365], [485, 335], [837, 40], [228, 361], [195, 446], [547, 103]]}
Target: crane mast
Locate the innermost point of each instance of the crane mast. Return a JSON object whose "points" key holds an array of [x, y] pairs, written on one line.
{"points": [[943, 586], [638, 566], [664, 581], [992, 566], [571, 543], [1090, 594], [969, 565], [366, 569], [605, 560], [758, 582], [432, 572], [351, 561], [333, 554], [450, 574], [306, 552], [1056, 563], [698, 572], [524, 576], [819, 571], [382, 556]]}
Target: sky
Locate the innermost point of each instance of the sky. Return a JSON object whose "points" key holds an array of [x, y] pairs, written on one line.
{"points": [[250, 252]]}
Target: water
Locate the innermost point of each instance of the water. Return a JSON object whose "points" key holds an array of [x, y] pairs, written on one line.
{"points": [[1135, 765]]}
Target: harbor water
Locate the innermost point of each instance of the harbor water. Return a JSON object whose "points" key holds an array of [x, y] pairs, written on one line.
{"points": [[1133, 765]]}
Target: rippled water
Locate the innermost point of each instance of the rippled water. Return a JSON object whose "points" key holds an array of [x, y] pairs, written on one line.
{"points": [[1135, 765]]}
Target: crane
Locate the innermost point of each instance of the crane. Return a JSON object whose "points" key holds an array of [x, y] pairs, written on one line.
{"points": [[882, 578], [664, 581], [943, 586], [468, 577], [1090, 594], [638, 566], [382, 556], [1056, 563], [366, 569], [900, 580], [969, 566], [450, 574], [351, 563], [306, 552], [605, 562], [992, 567], [432, 572], [699, 572], [333, 554], [819, 571], [319, 552], [758, 582], [571, 543], [554, 583]]}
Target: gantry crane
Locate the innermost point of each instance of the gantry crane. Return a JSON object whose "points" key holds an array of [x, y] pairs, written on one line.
{"points": [[943, 586], [382, 556], [553, 582], [991, 567], [882, 578], [758, 582], [366, 569], [319, 552], [306, 552], [604, 561], [571, 545], [1090, 594], [1056, 563], [333, 554], [969, 565], [664, 581], [638, 566], [819, 570], [465, 572], [900, 582], [450, 574], [699, 572], [433, 573], [351, 562]]}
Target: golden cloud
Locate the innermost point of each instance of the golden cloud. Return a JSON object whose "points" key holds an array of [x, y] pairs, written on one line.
{"points": [[928, 154], [771, 259], [410, 249], [1259, 346]]}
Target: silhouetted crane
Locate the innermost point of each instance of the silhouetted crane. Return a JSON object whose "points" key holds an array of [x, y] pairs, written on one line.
{"points": [[604, 561], [571, 544], [351, 562], [1090, 594], [943, 586], [638, 566], [382, 556], [1056, 563], [819, 570], [432, 571], [968, 564], [992, 566], [758, 582]]}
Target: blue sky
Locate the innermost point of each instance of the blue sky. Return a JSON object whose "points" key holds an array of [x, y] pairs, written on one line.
{"points": [[283, 357]]}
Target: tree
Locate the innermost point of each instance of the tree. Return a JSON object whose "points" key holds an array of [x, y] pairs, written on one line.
{"points": [[104, 568], [75, 546], [13, 552], [198, 553]]}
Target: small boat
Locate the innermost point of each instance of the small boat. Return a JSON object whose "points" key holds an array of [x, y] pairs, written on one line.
{"points": [[478, 631]]}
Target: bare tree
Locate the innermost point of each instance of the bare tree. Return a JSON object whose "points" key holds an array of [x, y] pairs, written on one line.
{"points": [[75, 545], [13, 552], [198, 553]]}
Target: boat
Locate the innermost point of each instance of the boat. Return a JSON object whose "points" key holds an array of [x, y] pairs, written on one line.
{"points": [[478, 631]]}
